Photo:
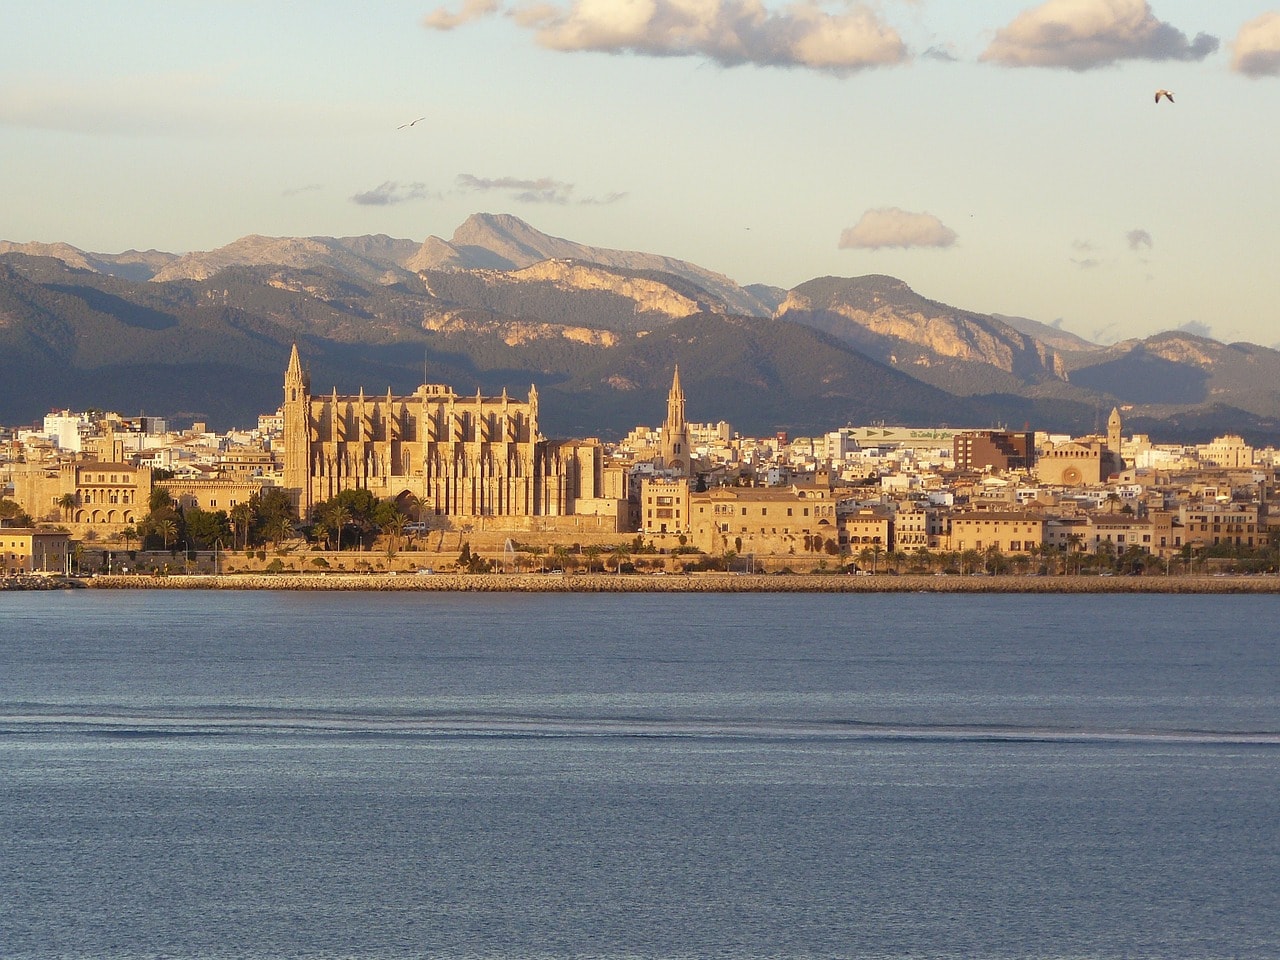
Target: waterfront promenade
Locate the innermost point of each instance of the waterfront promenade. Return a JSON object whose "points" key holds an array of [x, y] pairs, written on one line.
{"points": [[696, 583]]}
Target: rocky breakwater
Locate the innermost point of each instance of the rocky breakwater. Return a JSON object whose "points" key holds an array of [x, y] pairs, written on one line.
{"points": [[39, 581], [696, 583]]}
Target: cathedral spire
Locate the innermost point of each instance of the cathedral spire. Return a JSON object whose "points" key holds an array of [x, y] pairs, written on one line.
{"points": [[675, 431], [296, 381], [675, 404]]}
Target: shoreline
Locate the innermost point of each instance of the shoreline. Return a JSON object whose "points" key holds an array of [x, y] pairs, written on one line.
{"points": [[692, 583]]}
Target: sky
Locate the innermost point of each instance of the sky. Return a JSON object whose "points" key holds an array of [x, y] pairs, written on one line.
{"points": [[1004, 157]]}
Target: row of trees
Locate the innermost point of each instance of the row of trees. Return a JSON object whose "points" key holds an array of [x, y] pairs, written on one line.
{"points": [[356, 517], [266, 517]]}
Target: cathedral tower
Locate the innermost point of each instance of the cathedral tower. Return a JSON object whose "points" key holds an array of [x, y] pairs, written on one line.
{"points": [[297, 432], [676, 455]]}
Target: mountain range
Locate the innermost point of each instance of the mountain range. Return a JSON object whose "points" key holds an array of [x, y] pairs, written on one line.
{"points": [[499, 305]]}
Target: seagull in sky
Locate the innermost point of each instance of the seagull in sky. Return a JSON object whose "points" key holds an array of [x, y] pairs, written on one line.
{"points": [[1167, 94], [412, 122]]}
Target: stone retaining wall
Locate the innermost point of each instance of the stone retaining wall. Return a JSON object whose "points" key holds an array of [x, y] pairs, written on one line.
{"points": [[696, 583]]}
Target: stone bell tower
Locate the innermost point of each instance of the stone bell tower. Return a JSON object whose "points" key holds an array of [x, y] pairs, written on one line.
{"points": [[297, 432], [676, 455]]}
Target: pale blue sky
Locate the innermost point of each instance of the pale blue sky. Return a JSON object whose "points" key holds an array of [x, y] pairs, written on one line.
{"points": [[1049, 192]]}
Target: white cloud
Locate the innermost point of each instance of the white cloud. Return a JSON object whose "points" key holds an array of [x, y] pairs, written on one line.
{"points": [[1083, 34], [390, 192], [442, 19], [891, 227], [1256, 50], [729, 32]]}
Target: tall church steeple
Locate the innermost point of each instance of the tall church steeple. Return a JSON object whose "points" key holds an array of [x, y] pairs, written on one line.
{"points": [[675, 431], [296, 381], [297, 431]]}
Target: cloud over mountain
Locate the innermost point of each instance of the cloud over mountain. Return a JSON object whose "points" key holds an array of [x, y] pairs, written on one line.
{"points": [[1083, 34], [390, 192], [892, 227], [1256, 50], [539, 190], [727, 32]]}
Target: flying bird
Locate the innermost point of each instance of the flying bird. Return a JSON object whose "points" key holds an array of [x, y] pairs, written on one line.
{"points": [[1167, 94], [412, 122]]}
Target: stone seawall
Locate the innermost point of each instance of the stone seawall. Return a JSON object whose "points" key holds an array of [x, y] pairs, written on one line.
{"points": [[39, 581], [696, 583]]}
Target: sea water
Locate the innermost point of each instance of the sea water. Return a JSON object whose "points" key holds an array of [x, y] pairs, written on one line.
{"points": [[200, 774]]}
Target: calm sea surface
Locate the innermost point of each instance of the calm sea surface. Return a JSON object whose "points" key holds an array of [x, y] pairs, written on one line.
{"points": [[447, 775]]}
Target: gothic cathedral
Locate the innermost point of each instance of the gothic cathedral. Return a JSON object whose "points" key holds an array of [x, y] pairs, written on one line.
{"points": [[456, 456]]}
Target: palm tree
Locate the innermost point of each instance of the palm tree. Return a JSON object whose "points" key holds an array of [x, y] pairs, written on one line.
{"points": [[167, 530], [282, 529], [130, 534], [336, 518], [413, 503], [922, 559], [619, 556], [995, 560], [68, 503], [242, 519], [391, 527], [1075, 546], [536, 551]]}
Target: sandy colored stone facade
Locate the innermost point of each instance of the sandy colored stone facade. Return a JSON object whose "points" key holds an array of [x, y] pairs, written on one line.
{"points": [[455, 456]]}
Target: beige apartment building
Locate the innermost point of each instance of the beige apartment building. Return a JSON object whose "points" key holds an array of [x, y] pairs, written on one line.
{"points": [[1228, 452], [664, 505], [1009, 532], [868, 527], [24, 550], [917, 527], [1211, 524]]}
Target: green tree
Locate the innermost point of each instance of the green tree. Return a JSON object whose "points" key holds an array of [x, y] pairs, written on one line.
{"points": [[164, 522], [392, 523], [618, 556], [159, 499], [334, 516], [206, 527], [241, 517], [14, 514], [271, 509], [281, 529], [167, 530]]}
